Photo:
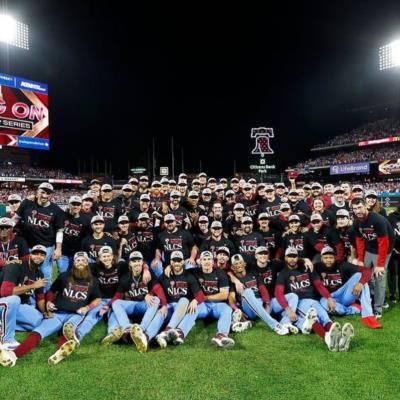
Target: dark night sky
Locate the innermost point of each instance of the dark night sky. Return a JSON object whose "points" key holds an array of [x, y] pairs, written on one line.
{"points": [[203, 75]]}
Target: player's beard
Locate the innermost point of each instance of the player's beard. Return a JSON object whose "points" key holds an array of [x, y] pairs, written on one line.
{"points": [[82, 273]]}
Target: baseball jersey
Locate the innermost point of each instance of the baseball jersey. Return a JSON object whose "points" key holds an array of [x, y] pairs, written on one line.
{"points": [[146, 242], [272, 208], [296, 240], [251, 280], [130, 246], [273, 240]]}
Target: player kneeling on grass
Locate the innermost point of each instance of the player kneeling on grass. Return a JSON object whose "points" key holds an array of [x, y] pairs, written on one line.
{"points": [[71, 296], [215, 286], [254, 299], [346, 283], [140, 299], [183, 295], [295, 278]]}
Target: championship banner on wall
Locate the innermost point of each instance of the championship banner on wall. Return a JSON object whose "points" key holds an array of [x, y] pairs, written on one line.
{"points": [[389, 167], [24, 113]]}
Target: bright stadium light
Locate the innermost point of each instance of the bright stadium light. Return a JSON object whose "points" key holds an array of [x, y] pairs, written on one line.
{"points": [[389, 56], [14, 32]]}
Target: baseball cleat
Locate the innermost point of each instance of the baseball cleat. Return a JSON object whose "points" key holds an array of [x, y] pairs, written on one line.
{"points": [[309, 320], [333, 336], [291, 328], [139, 338], [7, 358], [371, 322], [162, 339], [281, 330], [347, 335], [63, 352], [10, 345], [241, 326], [175, 336], [69, 332], [223, 341], [113, 336], [236, 316]]}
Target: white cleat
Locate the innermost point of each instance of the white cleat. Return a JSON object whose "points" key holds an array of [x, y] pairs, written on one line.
{"points": [[347, 335], [112, 337], [162, 338], [281, 330], [309, 320], [7, 358], [291, 328], [10, 345], [63, 352], [223, 341], [139, 338], [174, 337], [333, 336], [241, 326], [236, 316]]}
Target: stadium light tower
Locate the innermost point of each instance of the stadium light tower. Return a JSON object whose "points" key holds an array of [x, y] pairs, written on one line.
{"points": [[13, 32], [389, 56]]}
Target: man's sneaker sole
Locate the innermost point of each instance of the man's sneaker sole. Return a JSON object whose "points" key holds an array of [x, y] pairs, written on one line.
{"points": [[174, 337], [161, 339], [112, 337], [7, 358], [347, 336], [139, 338], [309, 320], [292, 329], [236, 316], [64, 351], [332, 338], [223, 342], [69, 332], [281, 330], [241, 326]]}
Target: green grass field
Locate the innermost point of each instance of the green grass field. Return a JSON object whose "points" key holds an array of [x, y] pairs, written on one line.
{"points": [[261, 366]]}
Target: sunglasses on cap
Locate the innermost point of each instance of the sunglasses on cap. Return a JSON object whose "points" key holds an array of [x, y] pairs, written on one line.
{"points": [[127, 190], [75, 204], [238, 209], [176, 259], [14, 202], [4, 227], [216, 228], [175, 197], [107, 190], [145, 200], [247, 223], [263, 253], [316, 221]]}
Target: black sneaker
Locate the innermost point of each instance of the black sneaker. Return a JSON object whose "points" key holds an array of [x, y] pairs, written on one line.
{"points": [[392, 299]]}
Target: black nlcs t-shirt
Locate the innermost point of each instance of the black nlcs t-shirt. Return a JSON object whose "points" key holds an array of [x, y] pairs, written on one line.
{"points": [[251, 281], [298, 281], [21, 274], [246, 245], [92, 245], [180, 240], [73, 294], [15, 247], [268, 273], [213, 245], [108, 279], [146, 242], [131, 246], [110, 211], [273, 240], [335, 277], [212, 282], [75, 229], [134, 289], [178, 286], [40, 224]]}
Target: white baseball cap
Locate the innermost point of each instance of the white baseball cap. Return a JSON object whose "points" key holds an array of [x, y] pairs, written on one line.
{"points": [[136, 254], [75, 199], [46, 186], [177, 254]]}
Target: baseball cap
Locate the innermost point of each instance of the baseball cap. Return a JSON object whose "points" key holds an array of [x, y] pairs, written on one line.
{"points": [[291, 251], [223, 249], [172, 182], [97, 218], [263, 215], [285, 206], [358, 187], [134, 181], [127, 187], [238, 205], [106, 186], [195, 182], [164, 180], [293, 192], [144, 178], [218, 188], [144, 196], [6, 222], [143, 216], [75, 199], [252, 180], [193, 194], [212, 180], [136, 254], [38, 248], [155, 183], [338, 189], [182, 175], [342, 213], [14, 197], [236, 258], [371, 193], [87, 196], [206, 191], [261, 249], [269, 188], [246, 219], [280, 184], [177, 254], [234, 180], [175, 193], [105, 250], [206, 254], [202, 175], [123, 218], [294, 217], [93, 181], [169, 217], [223, 180], [216, 224], [48, 187], [316, 185], [229, 193], [316, 216], [81, 254], [247, 185], [182, 183], [327, 250], [203, 218], [307, 186]]}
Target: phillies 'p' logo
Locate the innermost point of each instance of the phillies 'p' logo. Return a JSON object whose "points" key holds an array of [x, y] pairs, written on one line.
{"points": [[262, 136]]}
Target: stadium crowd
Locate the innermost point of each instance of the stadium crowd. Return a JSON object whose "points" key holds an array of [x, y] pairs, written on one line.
{"points": [[374, 130], [159, 255], [24, 171]]}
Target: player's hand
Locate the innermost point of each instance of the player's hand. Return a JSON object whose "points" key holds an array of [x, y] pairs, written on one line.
{"points": [[56, 254], [331, 305], [309, 265], [82, 310], [50, 306], [192, 308], [164, 311], [191, 261], [357, 289], [14, 260], [239, 287], [154, 263], [379, 271], [360, 263], [167, 271], [149, 299], [42, 282], [146, 276], [291, 314], [48, 315], [103, 310]]}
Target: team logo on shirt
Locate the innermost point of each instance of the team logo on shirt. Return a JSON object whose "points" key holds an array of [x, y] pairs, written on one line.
{"points": [[299, 283], [39, 219], [75, 292], [368, 233], [296, 243], [173, 244], [178, 289], [138, 290], [247, 246], [71, 229]]}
